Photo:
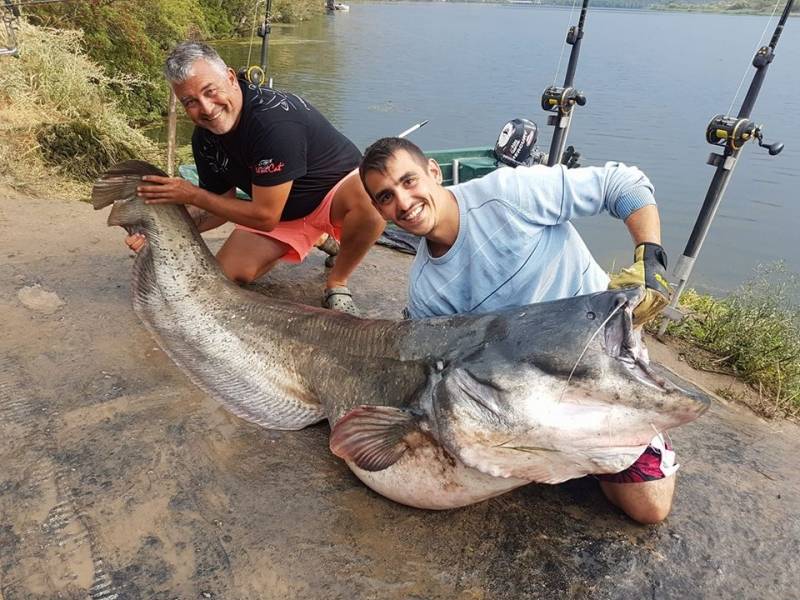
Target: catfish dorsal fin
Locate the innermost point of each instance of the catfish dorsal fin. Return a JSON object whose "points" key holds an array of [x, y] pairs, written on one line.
{"points": [[373, 437]]}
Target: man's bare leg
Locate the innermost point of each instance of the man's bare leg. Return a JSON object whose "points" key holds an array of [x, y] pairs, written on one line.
{"points": [[352, 210], [647, 502], [245, 256]]}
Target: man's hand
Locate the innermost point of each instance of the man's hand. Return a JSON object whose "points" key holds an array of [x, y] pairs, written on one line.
{"points": [[649, 270], [167, 190], [136, 241]]}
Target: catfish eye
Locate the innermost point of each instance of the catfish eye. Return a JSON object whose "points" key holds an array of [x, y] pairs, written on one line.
{"points": [[590, 315]]}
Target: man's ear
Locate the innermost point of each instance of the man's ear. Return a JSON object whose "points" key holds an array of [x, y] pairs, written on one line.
{"points": [[435, 170], [232, 77]]}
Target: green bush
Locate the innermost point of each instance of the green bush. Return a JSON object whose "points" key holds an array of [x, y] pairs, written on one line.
{"points": [[130, 38], [57, 118], [80, 149], [755, 331]]}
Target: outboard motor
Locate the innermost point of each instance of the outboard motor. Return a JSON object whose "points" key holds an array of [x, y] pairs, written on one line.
{"points": [[515, 145]]}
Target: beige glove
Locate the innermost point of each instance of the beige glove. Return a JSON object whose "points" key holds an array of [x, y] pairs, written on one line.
{"points": [[649, 270]]}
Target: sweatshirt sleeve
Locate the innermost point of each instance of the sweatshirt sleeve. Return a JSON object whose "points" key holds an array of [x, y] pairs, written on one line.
{"points": [[553, 195]]}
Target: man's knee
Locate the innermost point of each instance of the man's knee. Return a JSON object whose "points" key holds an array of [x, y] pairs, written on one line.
{"points": [[649, 513], [242, 272], [245, 256], [648, 502], [237, 274]]}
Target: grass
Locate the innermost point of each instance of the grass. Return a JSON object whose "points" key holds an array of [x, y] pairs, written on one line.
{"points": [[753, 334], [58, 124]]}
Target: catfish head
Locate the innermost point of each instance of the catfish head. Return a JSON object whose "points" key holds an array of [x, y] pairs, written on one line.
{"points": [[557, 390]]}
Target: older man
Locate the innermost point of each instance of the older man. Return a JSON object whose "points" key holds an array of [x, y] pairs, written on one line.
{"points": [[506, 240], [296, 167]]}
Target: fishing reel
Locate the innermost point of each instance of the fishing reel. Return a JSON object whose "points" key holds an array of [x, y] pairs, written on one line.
{"points": [[560, 99], [734, 132], [253, 74], [574, 34]]}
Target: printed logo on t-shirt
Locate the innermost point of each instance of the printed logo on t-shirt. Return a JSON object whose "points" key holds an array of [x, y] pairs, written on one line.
{"points": [[268, 166]]}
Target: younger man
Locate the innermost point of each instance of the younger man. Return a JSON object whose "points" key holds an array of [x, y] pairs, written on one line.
{"points": [[506, 240]]}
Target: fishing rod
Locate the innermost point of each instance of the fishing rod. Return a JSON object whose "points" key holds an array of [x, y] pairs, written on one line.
{"points": [[562, 99], [413, 128], [9, 14], [257, 74], [516, 144], [731, 133]]}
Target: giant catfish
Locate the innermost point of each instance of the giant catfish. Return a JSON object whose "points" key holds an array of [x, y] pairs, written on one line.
{"points": [[433, 413]]}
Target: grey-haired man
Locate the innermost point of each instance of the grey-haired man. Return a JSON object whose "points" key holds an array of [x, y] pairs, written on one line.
{"points": [[298, 169]]}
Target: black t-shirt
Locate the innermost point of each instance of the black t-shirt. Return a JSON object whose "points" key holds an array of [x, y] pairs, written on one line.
{"points": [[280, 137]]}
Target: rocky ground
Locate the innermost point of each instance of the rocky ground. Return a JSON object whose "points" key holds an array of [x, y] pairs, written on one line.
{"points": [[119, 479]]}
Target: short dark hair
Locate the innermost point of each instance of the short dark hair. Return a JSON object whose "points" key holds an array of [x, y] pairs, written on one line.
{"points": [[379, 153]]}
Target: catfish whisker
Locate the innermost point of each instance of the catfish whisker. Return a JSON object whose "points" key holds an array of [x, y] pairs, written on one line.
{"points": [[586, 347], [566, 385]]}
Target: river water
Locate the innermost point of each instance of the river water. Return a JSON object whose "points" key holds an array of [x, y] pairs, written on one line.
{"points": [[653, 81]]}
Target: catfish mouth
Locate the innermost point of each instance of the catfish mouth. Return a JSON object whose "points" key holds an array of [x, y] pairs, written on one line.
{"points": [[624, 343]]}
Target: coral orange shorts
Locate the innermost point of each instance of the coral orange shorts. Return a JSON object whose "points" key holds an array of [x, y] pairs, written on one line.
{"points": [[301, 234]]}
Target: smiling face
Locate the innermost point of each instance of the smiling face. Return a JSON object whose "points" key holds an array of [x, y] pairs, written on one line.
{"points": [[212, 97], [409, 193]]}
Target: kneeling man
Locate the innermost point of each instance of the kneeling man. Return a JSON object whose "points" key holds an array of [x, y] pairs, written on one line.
{"points": [[298, 169], [506, 240]]}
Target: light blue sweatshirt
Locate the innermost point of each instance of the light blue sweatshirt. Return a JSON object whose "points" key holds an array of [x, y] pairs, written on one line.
{"points": [[515, 242]]}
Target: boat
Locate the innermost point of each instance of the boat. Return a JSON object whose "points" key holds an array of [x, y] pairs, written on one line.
{"points": [[332, 6], [457, 165]]}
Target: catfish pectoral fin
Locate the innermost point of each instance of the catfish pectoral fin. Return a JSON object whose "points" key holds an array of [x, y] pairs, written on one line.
{"points": [[373, 437]]}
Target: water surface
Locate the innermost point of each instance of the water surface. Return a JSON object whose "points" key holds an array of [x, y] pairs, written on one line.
{"points": [[653, 81]]}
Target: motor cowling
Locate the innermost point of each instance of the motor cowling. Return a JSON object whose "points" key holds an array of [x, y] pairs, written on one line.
{"points": [[515, 145]]}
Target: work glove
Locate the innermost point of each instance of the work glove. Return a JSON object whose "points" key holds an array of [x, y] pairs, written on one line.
{"points": [[649, 270]]}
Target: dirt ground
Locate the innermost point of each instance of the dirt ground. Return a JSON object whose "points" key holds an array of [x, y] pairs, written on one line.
{"points": [[120, 480]]}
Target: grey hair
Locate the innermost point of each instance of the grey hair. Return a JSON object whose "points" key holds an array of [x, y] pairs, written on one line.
{"points": [[178, 66]]}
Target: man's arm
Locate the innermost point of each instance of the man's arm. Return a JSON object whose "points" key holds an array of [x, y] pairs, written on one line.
{"points": [[204, 220], [649, 269], [555, 195], [263, 212], [644, 225]]}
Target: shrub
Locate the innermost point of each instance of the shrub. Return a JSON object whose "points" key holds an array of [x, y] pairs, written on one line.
{"points": [[80, 149], [755, 331], [47, 93]]}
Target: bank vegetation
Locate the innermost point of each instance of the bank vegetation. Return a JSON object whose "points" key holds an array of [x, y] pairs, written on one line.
{"points": [[130, 38], [88, 75], [60, 119], [753, 334], [750, 7]]}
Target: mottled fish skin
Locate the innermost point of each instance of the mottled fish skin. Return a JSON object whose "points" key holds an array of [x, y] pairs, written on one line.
{"points": [[433, 413]]}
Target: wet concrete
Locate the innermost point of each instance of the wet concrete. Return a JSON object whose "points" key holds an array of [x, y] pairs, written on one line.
{"points": [[119, 479]]}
